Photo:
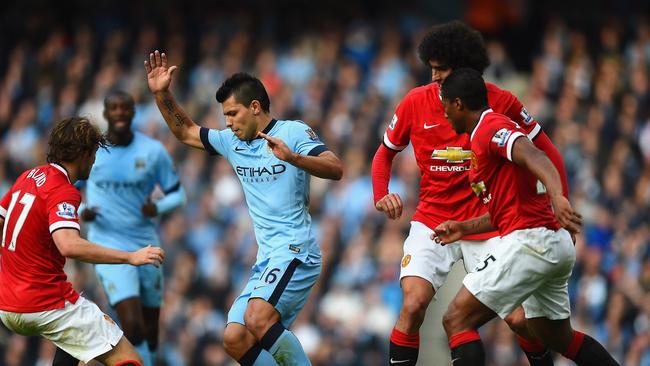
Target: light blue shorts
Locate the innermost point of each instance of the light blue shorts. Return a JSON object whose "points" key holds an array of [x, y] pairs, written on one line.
{"points": [[123, 281], [284, 283]]}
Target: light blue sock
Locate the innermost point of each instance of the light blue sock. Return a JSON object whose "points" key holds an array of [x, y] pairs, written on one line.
{"points": [[257, 356], [284, 346], [143, 350]]}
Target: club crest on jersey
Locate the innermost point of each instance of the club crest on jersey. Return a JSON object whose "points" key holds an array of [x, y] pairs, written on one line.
{"points": [[66, 211], [526, 117], [406, 260], [452, 154], [312, 135], [140, 164], [501, 137], [393, 122], [478, 188]]}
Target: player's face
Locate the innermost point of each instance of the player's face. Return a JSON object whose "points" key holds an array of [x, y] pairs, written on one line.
{"points": [[439, 71], [240, 119], [119, 112], [453, 114]]}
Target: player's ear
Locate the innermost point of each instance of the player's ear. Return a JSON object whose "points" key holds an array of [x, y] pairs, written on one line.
{"points": [[256, 107], [458, 104]]}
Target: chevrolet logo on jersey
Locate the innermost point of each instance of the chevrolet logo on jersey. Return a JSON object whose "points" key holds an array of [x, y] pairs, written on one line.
{"points": [[455, 155]]}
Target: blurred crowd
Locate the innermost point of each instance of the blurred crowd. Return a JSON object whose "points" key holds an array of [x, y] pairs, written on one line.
{"points": [[590, 91]]}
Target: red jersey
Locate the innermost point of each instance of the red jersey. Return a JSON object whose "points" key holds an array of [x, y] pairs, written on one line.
{"points": [[41, 201], [444, 156], [512, 194]]}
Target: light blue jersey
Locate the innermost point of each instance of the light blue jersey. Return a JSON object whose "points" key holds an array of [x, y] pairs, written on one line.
{"points": [[121, 181], [277, 193]]}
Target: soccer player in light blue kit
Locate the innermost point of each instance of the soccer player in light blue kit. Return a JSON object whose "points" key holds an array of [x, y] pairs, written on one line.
{"points": [[273, 160], [120, 212]]}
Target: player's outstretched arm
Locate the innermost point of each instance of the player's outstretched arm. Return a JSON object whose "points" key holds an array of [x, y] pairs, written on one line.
{"points": [[525, 154], [71, 245], [326, 165], [159, 77]]}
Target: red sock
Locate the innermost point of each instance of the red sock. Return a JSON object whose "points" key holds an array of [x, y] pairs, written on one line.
{"points": [[128, 363], [575, 345], [463, 337], [405, 340], [531, 346]]}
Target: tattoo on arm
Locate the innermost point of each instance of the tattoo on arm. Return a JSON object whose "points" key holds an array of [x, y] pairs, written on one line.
{"points": [[170, 108], [179, 120], [476, 225], [169, 104]]}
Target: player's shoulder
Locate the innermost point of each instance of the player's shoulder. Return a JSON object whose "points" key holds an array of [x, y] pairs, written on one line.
{"points": [[424, 92], [287, 124], [497, 94], [57, 182], [492, 121], [290, 127]]}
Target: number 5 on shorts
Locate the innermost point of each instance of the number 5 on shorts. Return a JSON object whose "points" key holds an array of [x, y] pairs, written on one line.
{"points": [[486, 262]]}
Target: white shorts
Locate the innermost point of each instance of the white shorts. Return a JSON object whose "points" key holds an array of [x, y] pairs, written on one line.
{"points": [[426, 259], [80, 329], [529, 267]]}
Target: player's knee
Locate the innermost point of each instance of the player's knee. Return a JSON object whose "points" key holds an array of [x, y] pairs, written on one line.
{"points": [[133, 328], [414, 306], [233, 338], [517, 322], [134, 334], [256, 323], [451, 321]]}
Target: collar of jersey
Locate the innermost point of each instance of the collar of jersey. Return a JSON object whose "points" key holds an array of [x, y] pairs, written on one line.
{"points": [[489, 110], [62, 169], [268, 128]]}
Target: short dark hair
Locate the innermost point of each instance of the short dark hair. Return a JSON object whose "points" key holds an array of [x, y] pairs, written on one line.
{"points": [[455, 45], [119, 94], [246, 88], [73, 137], [468, 85]]}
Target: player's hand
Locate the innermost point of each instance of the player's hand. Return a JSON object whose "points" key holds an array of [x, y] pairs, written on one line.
{"points": [[279, 148], [88, 214], [391, 204], [565, 215], [447, 232], [149, 209], [159, 76], [147, 255]]}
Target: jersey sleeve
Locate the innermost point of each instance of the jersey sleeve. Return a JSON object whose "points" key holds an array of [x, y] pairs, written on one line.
{"points": [[500, 136], [214, 141], [509, 105], [62, 208], [165, 173], [397, 134], [305, 141]]}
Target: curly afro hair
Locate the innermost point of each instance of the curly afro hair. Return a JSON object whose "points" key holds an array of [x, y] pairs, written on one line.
{"points": [[455, 45]]}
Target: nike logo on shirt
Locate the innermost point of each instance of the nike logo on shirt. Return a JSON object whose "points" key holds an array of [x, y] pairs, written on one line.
{"points": [[393, 362], [239, 148], [426, 127]]}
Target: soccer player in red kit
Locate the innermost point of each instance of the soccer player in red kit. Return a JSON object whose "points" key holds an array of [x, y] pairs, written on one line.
{"points": [[40, 228], [533, 262], [443, 157]]}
